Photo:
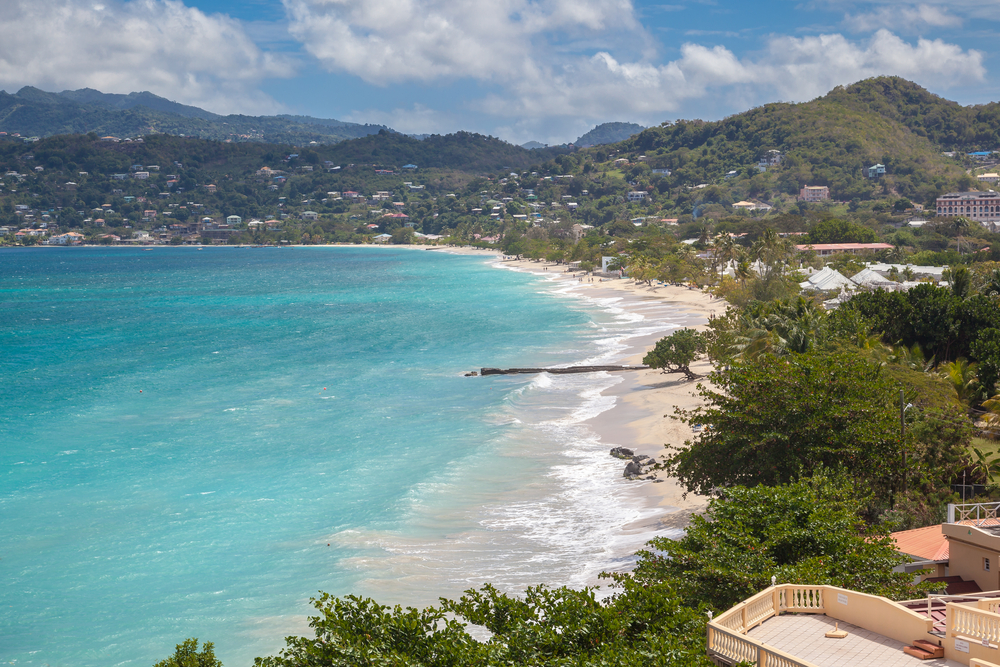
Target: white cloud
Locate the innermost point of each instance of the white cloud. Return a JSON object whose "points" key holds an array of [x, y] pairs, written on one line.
{"points": [[903, 18], [790, 69], [387, 41], [556, 61], [161, 46]]}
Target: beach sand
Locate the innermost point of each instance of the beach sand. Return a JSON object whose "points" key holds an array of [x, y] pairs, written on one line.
{"points": [[645, 400]]}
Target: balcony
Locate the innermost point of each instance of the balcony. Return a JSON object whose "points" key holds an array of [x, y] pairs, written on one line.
{"points": [[785, 626]]}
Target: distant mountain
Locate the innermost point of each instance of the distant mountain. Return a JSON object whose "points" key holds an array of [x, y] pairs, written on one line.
{"points": [[532, 145], [143, 99], [34, 112], [608, 133]]}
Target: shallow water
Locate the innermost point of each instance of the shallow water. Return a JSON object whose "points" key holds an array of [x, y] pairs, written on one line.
{"points": [[194, 443]]}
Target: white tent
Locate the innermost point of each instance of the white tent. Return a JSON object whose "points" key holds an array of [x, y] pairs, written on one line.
{"points": [[826, 280]]}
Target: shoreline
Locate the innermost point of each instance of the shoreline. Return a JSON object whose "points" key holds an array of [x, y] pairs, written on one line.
{"points": [[644, 400]]}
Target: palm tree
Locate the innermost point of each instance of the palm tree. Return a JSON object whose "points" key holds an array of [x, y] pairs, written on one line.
{"points": [[725, 251], [959, 224], [984, 465], [992, 285], [961, 375]]}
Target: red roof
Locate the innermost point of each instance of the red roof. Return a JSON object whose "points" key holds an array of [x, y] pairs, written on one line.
{"points": [[928, 543], [845, 246]]}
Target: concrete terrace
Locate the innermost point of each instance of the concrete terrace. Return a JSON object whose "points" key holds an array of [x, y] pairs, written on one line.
{"points": [[802, 635]]}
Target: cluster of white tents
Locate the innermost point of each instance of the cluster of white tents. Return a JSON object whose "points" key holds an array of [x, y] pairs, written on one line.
{"points": [[872, 277]]}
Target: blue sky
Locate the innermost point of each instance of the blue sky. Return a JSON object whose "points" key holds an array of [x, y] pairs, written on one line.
{"points": [[545, 70]]}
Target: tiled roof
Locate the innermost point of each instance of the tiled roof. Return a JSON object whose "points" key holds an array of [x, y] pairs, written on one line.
{"points": [[928, 543]]}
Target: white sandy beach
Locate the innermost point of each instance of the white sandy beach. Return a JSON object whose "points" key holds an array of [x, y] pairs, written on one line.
{"points": [[641, 419]]}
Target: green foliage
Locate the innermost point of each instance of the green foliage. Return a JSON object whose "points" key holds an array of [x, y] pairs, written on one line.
{"points": [[772, 419], [675, 353], [986, 349], [808, 532], [840, 231], [942, 323], [188, 655], [638, 626]]}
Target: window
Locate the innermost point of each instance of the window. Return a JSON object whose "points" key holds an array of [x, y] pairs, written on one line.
{"points": [[986, 564]]}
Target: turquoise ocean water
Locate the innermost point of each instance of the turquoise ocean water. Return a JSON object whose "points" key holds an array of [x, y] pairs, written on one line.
{"points": [[193, 443]]}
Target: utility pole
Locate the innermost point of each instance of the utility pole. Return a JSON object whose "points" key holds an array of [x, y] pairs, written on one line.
{"points": [[902, 434]]}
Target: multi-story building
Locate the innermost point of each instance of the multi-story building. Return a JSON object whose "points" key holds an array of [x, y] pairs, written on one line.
{"points": [[983, 207], [814, 193], [771, 159]]}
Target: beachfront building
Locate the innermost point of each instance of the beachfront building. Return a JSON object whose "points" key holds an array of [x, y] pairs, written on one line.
{"points": [[814, 193], [983, 207]]}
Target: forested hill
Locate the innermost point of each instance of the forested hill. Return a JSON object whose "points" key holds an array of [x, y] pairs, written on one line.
{"points": [[947, 124], [463, 151], [828, 141], [34, 112]]}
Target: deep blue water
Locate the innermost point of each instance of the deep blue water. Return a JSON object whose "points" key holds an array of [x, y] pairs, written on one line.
{"points": [[183, 433]]}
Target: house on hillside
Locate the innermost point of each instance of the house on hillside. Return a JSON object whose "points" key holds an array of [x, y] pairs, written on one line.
{"points": [[637, 195], [814, 193], [876, 171], [770, 159], [992, 178]]}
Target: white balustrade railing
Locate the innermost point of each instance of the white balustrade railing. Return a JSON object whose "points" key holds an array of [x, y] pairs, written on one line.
{"points": [[739, 648], [978, 624], [803, 599], [977, 513]]}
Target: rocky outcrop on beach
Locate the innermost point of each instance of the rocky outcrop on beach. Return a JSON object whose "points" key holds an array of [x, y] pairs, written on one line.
{"points": [[622, 453], [639, 467]]}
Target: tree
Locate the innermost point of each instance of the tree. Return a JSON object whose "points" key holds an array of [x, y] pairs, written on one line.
{"points": [[808, 532], [640, 625], [188, 655], [772, 420], [986, 349], [840, 231], [676, 352], [959, 224]]}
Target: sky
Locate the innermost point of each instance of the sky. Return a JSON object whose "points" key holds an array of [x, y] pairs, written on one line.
{"points": [[521, 70]]}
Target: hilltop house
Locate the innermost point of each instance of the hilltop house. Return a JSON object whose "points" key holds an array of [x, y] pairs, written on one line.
{"points": [[876, 171]]}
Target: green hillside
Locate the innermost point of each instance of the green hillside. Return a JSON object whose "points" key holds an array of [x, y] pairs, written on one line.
{"points": [[829, 141], [947, 124]]}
